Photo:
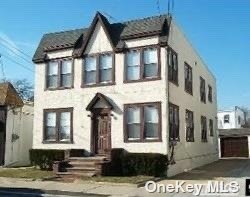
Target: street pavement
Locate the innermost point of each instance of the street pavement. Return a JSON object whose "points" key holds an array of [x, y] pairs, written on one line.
{"points": [[223, 170]]}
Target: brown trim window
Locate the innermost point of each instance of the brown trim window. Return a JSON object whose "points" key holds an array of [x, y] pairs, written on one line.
{"points": [[59, 74], [174, 123], [202, 90], [172, 66], [189, 126], [203, 129], [210, 94], [98, 69], [188, 79], [211, 127], [142, 64], [58, 125], [142, 122]]}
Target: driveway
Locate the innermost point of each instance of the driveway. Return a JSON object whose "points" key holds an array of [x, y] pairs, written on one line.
{"points": [[224, 168]]}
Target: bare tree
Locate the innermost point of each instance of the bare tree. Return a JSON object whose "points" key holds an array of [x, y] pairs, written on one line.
{"points": [[24, 88]]}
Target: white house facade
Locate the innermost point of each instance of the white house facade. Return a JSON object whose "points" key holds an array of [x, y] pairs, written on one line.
{"points": [[231, 119], [137, 85]]}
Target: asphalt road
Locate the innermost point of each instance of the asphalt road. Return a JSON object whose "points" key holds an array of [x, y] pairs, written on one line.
{"points": [[24, 192]]}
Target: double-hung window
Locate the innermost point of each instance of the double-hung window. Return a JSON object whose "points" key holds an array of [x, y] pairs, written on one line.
{"points": [[188, 79], [142, 64], [174, 123], [142, 122], [98, 69], [203, 129], [59, 74], [211, 127], [189, 126], [58, 125], [202, 90], [172, 66], [210, 93]]}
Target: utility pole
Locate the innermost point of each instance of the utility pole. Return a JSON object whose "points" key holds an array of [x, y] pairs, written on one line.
{"points": [[2, 69]]}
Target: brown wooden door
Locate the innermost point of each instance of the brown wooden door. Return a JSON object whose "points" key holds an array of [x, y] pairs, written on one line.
{"points": [[102, 134], [2, 134], [234, 147]]}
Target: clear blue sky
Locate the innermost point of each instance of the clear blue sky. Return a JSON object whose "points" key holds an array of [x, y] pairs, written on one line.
{"points": [[219, 30]]}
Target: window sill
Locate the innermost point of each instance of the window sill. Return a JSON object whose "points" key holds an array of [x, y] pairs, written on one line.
{"points": [[57, 142], [142, 80], [189, 92], [174, 82], [143, 141], [98, 85], [59, 88]]}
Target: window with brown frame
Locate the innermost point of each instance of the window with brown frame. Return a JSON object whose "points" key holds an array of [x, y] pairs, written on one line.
{"points": [[202, 90], [189, 126], [174, 122], [172, 66], [142, 64], [98, 69], [142, 122], [211, 127], [203, 129], [58, 125], [210, 94], [188, 79], [59, 74]]}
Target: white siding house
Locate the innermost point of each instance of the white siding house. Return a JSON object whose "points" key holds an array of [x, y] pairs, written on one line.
{"points": [[137, 85], [231, 119]]}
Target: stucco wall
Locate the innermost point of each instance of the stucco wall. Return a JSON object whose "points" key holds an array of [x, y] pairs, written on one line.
{"points": [[19, 122], [119, 94], [189, 155]]}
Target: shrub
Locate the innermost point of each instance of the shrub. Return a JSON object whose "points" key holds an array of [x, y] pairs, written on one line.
{"points": [[45, 158], [132, 164]]}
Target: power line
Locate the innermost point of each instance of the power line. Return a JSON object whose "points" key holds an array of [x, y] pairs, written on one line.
{"points": [[8, 43], [14, 61], [17, 54]]}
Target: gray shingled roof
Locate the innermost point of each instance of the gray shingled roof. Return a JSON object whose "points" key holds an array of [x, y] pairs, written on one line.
{"points": [[234, 132], [118, 31]]}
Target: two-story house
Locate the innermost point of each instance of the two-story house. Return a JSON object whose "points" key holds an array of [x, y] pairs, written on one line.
{"points": [[137, 85]]}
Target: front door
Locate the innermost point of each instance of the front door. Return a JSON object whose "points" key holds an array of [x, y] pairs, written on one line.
{"points": [[2, 134], [102, 134]]}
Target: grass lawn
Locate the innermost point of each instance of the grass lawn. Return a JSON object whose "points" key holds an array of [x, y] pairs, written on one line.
{"points": [[29, 172], [33, 173], [112, 179]]}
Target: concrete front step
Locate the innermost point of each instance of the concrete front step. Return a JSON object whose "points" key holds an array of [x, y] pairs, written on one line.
{"points": [[81, 169], [76, 174]]}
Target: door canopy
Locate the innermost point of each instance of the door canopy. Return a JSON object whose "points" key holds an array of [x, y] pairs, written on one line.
{"points": [[100, 101]]}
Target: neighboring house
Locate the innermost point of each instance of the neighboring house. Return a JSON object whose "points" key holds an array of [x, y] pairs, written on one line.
{"points": [[16, 126], [137, 85], [231, 119], [234, 142]]}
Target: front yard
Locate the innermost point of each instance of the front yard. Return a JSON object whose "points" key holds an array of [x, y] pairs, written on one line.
{"points": [[33, 173], [30, 173]]}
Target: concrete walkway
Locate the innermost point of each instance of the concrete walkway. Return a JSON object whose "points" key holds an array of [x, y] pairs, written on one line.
{"points": [[223, 170]]}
